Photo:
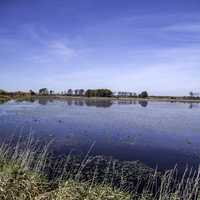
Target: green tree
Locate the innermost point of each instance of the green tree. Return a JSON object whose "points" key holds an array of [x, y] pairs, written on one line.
{"points": [[43, 91], [51, 92], [90, 93], [70, 92], [32, 93], [98, 93], [143, 94]]}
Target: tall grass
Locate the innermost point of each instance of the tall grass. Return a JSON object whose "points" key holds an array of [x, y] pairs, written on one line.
{"points": [[172, 187], [24, 175]]}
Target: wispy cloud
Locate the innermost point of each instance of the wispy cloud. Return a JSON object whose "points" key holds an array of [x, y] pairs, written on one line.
{"points": [[190, 27], [54, 51], [34, 43], [60, 48]]}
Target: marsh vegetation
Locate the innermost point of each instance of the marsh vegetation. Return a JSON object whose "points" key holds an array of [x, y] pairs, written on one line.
{"points": [[24, 175]]}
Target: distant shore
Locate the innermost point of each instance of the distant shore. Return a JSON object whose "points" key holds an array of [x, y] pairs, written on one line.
{"points": [[182, 100], [156, 99]]}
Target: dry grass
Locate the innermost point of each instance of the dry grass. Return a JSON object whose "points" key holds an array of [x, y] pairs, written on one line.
{"points": [[73, 190], [173, 188], [20, 184], [22, 178]]}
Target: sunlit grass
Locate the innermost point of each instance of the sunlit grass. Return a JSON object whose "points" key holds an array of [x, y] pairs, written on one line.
{"points": [[23, 177]]}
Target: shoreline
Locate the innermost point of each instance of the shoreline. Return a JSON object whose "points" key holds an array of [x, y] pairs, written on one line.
{"points": [[181, 100], [151, 99]]}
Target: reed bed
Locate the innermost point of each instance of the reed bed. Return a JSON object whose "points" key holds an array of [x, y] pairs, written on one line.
{"points": [[25, 169]]}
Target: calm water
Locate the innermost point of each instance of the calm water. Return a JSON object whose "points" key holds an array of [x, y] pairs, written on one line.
{"points": [[156, 133]]}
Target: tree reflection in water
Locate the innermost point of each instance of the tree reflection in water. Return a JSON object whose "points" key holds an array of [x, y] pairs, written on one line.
{"points": [[99, 103], [143, 103]]}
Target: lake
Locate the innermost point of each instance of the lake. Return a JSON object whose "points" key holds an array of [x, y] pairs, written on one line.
{"points": [[159, 134]]}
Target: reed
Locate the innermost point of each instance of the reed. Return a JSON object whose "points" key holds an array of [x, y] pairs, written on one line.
{"points": [[23, 176]]}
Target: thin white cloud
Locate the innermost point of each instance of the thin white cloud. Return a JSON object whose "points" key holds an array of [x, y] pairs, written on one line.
{"points": [[191, 27], [34, 43], [60, 48]]}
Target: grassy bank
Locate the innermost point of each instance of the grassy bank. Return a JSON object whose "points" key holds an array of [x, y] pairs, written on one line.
{"points": [[4, 98], [17, 183], [24, 176]]}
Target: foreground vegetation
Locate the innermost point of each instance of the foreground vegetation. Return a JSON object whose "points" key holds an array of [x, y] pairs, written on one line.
{"points": [[18, 183], [24, 175]]}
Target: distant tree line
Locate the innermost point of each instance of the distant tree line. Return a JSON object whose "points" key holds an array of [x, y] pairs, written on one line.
{"points": [[96, 93], [17, 93], [99, 93], [194, 95], [78, 92]]}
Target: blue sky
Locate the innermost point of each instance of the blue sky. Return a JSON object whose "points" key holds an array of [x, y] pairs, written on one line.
{"points": [[129, 45]]}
